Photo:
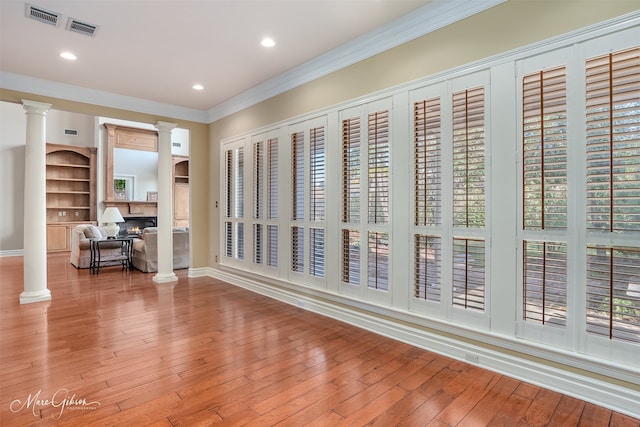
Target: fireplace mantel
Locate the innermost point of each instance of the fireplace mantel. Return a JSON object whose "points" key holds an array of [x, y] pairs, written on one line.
{"points": [[129, 208]]}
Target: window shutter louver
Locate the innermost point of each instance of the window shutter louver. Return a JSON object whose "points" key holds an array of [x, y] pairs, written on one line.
{"points": [[468, 158], [378, 158], [351, 171], [297, 176], [468, 273], [317, 179], [258, 187], [239, 182], [272, 178], [228, 227], [297, 249], [351, 257], [228, 186], [316, 256], [258, 243], [239, 240], [427, 267], [544, 151], [378, 262], [427, 163], [613, 141], [613, 292], [272, 245], [545, 282]]}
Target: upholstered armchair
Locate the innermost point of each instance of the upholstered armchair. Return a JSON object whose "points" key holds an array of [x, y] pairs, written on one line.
{"points": [[80, 244], [145, 250]]}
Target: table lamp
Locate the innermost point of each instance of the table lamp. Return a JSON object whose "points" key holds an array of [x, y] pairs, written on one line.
{"points": [[111, 216]]}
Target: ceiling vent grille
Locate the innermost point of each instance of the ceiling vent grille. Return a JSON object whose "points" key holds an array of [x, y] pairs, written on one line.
{"points": [[41, 15], [81, 27]]}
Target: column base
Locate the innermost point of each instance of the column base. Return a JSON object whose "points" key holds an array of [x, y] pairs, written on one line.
{"points": [[165, 278], [29, 297]]}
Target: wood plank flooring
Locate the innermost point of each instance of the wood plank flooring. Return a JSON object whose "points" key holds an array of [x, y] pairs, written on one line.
{"points": [[115, 349]]}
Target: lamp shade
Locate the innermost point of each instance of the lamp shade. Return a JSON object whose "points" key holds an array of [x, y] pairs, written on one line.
{"points": [[112, 214]]}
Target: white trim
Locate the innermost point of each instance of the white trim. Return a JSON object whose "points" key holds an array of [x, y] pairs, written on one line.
{"points": [[435, 15], [69, 92], [417, 331]]}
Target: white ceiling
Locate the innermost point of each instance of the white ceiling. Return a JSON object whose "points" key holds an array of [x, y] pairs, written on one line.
{"points": [[155, 50]]}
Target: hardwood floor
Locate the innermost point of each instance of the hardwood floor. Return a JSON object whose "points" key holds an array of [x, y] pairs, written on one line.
{"points": [[115, 349]]}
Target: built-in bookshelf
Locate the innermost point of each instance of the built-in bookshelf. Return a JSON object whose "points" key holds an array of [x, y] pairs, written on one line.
{"points": [[71, 191]]}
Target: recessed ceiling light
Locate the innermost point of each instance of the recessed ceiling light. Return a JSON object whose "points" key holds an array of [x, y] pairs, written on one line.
{"points": [[268, 42], [198, 86], [68, 55]]}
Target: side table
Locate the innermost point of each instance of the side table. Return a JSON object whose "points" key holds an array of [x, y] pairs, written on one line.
{"points": [[124, 257]]}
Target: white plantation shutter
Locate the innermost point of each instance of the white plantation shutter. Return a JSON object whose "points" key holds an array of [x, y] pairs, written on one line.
{"points": [[316, 249], [234, 202], [378, 158], [544, 196], [545, 282], [427, 163], [427, 267], [272, 178], [238, 178], [272, 245], [265, 199], [317, 201], [468, 252], [351, 138], [544, 151], [297, 249], [378, 262], [258, 243], [351, 257], [468, 158], [468, 273], [613, 292], [297, 202], [297, 176], [427, 202], [317, 178], [351, 170], [258, 180], [613, 195], [613, 141]]}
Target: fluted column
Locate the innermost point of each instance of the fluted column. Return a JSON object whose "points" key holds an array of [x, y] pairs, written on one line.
{"points": [[165, 205], [35, 205]]}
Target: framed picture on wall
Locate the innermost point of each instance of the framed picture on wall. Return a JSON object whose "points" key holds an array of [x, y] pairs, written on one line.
{"points": [[152, 196], [123, 187]]}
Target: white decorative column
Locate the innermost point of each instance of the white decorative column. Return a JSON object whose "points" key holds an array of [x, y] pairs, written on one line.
{"points": [[165, 205], [35, 205]]}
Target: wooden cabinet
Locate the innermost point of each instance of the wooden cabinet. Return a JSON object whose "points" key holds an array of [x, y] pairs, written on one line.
{"points": [[180, 191], [59, 235], [71, 191]]}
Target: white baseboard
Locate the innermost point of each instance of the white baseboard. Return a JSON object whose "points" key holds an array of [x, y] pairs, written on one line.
{"points": [[592, 389], [12, 252]]}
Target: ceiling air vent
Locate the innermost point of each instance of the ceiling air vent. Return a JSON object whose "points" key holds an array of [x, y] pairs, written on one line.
{"points": [[41, 15], [81, 27]]}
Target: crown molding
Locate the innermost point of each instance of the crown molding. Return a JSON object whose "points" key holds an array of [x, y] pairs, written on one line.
{"points": [[22, 83], [428, 18], [437, 14]]}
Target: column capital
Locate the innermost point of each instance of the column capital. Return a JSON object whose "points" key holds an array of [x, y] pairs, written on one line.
{"points": [[35, 107], [165, 126]]}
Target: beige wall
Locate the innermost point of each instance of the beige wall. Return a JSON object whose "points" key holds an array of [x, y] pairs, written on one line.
{"points": [[199, 161], [509, 26]]}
